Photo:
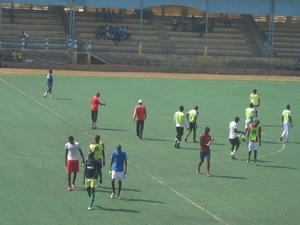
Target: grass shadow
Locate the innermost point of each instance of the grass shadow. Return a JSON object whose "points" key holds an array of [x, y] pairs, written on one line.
{"points": [[156, 139], [112, 129], [230, 177], [62, 99], [117, 210], [141, 200], [279, 167], [123, 189]]}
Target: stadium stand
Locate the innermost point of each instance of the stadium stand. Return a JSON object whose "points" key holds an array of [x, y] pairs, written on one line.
{"points": [[39, 25], [286, 38]]}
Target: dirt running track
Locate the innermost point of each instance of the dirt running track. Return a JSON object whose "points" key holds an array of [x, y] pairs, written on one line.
{"points": [[151, 75]]}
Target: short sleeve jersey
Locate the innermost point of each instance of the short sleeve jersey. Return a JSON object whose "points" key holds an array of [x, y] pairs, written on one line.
{"points": [[94, 103], [286, 115], [204, 139], [72, 150], [118, 159], [232, 128], [92, 168], [97, 149]]}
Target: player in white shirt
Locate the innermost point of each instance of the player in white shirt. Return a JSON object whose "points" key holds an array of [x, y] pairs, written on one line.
{"points": [[233, 137], [72, 160]]}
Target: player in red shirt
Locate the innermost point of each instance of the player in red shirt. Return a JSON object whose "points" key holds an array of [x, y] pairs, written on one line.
{"points": [[139, 115], [205, 142], [95, 102]]}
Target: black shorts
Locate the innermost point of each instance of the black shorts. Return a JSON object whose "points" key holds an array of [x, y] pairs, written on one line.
{"points": [[179, 130], [234, 141], [193, 126]]}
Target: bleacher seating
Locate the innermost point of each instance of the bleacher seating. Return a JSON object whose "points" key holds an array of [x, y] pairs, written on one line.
{"points": [[39, 25], [285, 40], [86, 26], [222, 41]]}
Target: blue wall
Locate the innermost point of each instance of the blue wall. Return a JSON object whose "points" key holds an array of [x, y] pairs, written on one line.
{"points": [[282, 7]]}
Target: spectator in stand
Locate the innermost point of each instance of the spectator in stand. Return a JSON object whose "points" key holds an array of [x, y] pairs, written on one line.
{"points": [[119, 17], [193, 20], [227, 21], [108, 16], [202, 27], [189, 24], [175, 23], [113, 16], [111, 32], [150, 17], [117, 35], [98, 33], [122, 33], [183, 24], [24, 36], [298, 63], [211, 26], [103, 15], [11, 16], [97, 15], [14, 56], [127, 32], [106, 28]]}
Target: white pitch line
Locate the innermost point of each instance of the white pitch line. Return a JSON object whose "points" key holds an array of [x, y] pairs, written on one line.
{"points": [[181, 195], [55, 113]]}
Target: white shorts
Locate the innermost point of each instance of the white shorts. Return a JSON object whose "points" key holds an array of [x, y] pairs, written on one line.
{"points": [[253, 146], [118, 175], [247, 123]]}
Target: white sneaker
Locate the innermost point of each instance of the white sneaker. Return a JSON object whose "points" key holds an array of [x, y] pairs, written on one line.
{"points": [[112, 195], [119, 197], [90, 208]]}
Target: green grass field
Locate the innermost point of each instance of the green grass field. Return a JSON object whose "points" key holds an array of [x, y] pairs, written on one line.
{"points": [[161, 186]]}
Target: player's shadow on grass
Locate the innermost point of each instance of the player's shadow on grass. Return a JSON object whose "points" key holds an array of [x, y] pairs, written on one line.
{"points": [[123, 189], [279, 167], [141, 200], [270, 125], [63, 99], [117, 210], [111, 129], [230, 177], [271, 142], [156, 139]]}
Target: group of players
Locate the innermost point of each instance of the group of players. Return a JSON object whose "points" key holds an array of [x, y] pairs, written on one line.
{"points": [[93, 166], [251, 134], [118, 166]]}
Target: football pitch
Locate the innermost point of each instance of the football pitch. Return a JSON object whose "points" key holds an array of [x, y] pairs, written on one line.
{"points": [[161, 185]]}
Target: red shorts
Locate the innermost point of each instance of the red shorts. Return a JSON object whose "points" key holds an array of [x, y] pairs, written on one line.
{"points": [[72, 166]]}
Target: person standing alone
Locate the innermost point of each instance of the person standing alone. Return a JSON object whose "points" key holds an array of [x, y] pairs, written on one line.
{"points": [[95, 102], [139, 116], [49, 84], [287, 123]]}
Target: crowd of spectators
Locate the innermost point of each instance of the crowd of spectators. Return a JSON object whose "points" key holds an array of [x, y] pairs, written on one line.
{"points": [[108, 16], [195, 25], [116, 33]]}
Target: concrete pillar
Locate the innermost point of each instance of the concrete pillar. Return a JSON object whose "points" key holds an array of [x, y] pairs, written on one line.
{"points": [[288, 19], [163, 11], [140, 48], [205, 50], [270, 51]]}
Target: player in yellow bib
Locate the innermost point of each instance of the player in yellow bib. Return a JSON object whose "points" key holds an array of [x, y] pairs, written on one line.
{"points": [[98, 148], [192, 116], [249, 113], [180, 123], [287, 123], [254, 140], [255, 99]]}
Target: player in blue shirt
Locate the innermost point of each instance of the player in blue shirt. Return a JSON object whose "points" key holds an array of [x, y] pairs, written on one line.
{"points": [[49, 84], [118, 168], [92, 169]]}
